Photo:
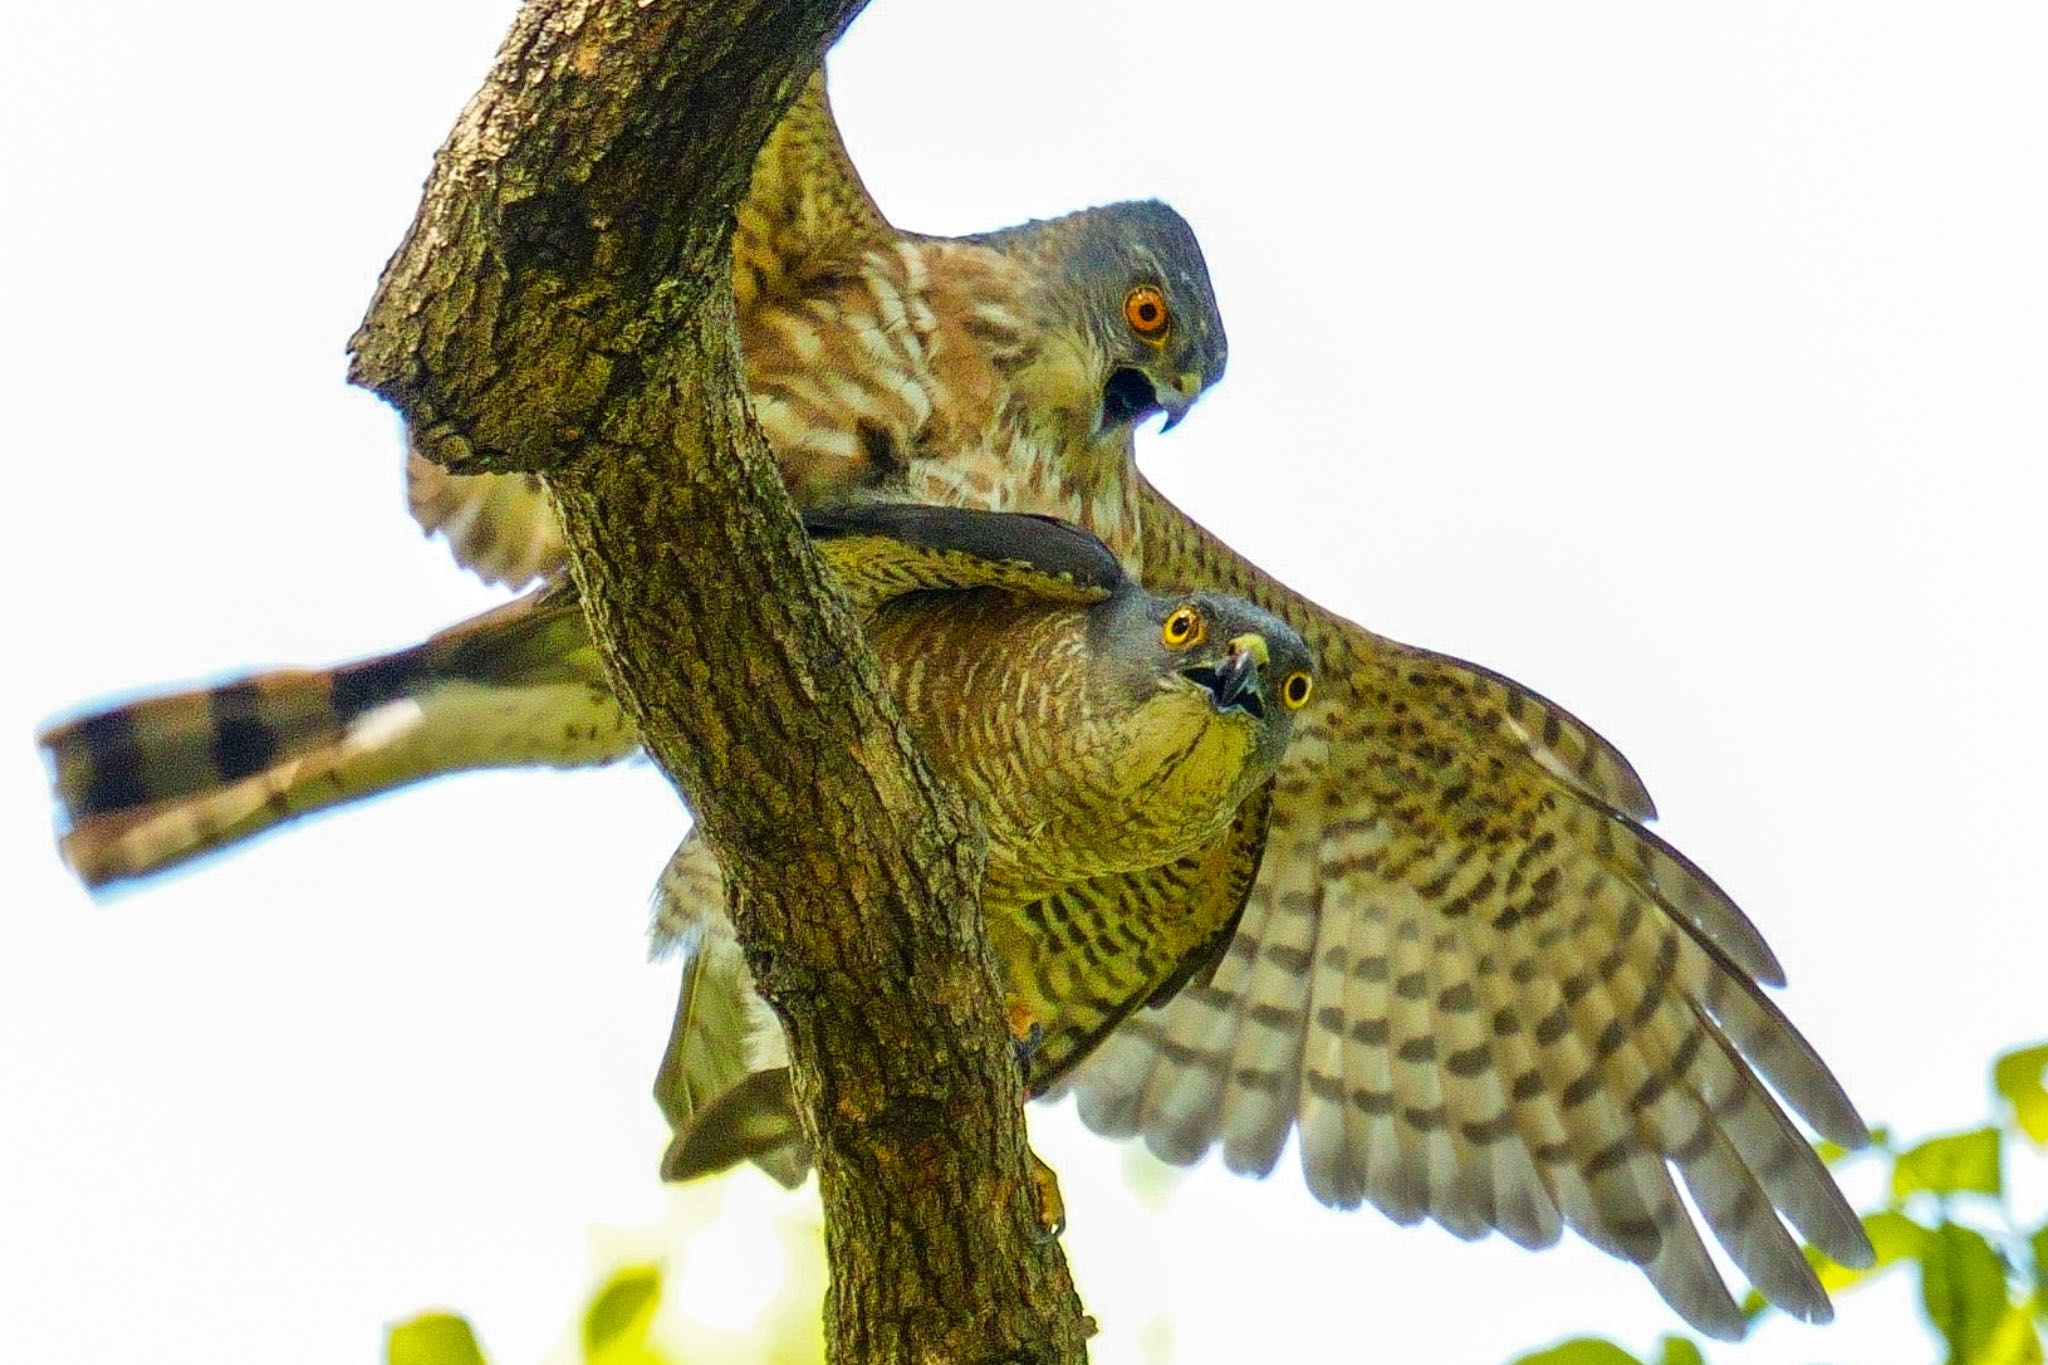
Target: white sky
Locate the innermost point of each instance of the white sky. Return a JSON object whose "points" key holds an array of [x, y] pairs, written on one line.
{"points": [[1687, 366]]}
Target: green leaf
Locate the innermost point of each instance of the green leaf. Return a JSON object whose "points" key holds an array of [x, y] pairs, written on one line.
{"points": [[1832, 1153], [1962, 1287], [1959, 1162], [432, 1339], [2019, 1076], [2038, 1244], [2015, 1341], [1583, 1351], [619, 1316], [1893, 1236], [1680, 1351]]}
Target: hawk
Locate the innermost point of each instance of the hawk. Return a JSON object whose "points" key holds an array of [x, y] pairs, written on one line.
{"points": [[1469, 976], [1004, 371], [1119, 746]]}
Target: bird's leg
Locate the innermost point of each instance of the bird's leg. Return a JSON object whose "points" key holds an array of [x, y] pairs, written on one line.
{"points": [[1026, 1034], [1052, 1209]]}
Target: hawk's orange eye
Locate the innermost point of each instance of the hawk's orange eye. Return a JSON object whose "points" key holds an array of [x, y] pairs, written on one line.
{"points": [[1145, 310], [1294, 691], [1182, 629]]}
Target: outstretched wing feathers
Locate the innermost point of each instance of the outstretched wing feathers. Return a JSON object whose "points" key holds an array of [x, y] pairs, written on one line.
{"points": [[1687, 893], [1566, 747], [1487, 995], [500, 526]]}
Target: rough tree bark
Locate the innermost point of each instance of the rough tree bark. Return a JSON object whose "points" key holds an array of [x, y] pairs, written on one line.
{"points": [[561, 305]]}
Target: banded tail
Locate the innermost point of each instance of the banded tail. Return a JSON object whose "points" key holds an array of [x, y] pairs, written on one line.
{"points": [[147, 785]]}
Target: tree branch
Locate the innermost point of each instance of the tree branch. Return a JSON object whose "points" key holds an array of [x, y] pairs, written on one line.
{"points": [[562, 305]]}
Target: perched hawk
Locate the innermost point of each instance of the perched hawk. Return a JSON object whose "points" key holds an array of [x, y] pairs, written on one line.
{"points": [[1004, 371], [1119, 746], [1470, 978]]}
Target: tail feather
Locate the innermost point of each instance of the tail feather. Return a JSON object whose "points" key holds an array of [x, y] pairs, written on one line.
{"points": [[152, 783], [157, 748], [724, 1078], [754, 1121], [337, 764]]}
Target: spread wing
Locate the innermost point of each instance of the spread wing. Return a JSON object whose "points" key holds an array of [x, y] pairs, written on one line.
{"points": [[500, 526], [1482, 990], [805, 211], [1084, 959], [883, 551]]}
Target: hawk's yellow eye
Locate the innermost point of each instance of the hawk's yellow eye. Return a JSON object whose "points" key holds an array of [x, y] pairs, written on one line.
{"points": [[1182, 629], [1145, 310], [1295, 689]]}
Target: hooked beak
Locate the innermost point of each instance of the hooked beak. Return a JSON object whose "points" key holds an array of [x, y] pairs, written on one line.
{"points": [[1131, 396], [1234, 682], [1177, 398]]}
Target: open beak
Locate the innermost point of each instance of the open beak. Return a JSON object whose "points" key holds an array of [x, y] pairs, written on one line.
{"points": [[1177, 398], [1233, 682], [1132, 396]]}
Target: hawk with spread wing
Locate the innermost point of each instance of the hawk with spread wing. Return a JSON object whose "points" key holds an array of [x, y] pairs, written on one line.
{"points": [[1480, 989]]}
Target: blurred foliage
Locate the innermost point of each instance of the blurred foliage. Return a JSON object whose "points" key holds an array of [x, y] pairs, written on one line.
{"points": [[616, 1323], [1983, 1270], [1591, 1351], [1982, 1265], [433, 1339], [615, 1328], [644, 1313], [2019, 1077]]}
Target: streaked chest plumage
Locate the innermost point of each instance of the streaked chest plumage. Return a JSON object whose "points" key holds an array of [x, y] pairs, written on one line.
{"points": [[927, 372], [1072, 779]]}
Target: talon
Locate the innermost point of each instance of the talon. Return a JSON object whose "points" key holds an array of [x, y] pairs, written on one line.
{"points": [[1052, 1210], [1026, 1033], [1026, 1047]]}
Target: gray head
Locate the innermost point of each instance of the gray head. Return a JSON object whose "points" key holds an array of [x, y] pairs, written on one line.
{"points": [[1245, 667], [1133, 277]]}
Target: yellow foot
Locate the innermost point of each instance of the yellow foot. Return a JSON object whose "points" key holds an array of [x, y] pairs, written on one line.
{"points": [[1052, 1210]]}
